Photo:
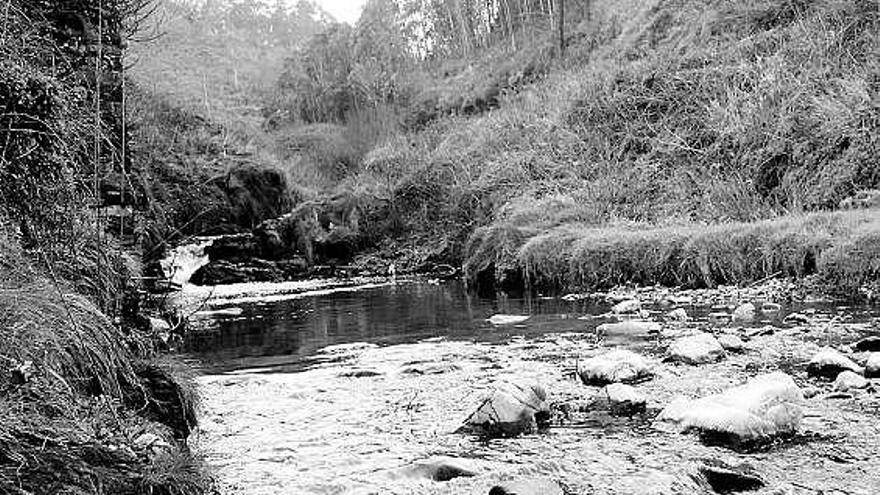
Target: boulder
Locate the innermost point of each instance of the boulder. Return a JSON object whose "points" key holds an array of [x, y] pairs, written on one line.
{"points": [[621, 400], [848, 380], [627, 307], [511, 409], [234, 246], [500, 320], [677, 315], [828, 363], [629, 328], [731, 342], [696, 349], [744, 313], [222, 272], [872, 367], [534, 486], [766, 405], [868, 344], [617, 366]]}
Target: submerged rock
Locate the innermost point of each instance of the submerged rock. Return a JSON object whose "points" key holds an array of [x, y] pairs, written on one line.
{"points": [[723, 477], [621, 399], [437, 469], [500, 320], [629, 328], [535, 486], [510, 410], [626, 307], [828, 363], [696, 349], [615, 366], [766, 405], [744, 313], [872, 367], [848, 380]]}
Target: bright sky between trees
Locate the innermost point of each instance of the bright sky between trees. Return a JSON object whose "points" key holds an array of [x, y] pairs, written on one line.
{"points": [[346, 11]]}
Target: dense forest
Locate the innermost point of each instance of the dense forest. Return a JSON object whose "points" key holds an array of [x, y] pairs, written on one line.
{"points": [[536, 144]]}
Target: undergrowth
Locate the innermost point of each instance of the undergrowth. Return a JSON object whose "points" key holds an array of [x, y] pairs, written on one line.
{"points": [[838, 247]]}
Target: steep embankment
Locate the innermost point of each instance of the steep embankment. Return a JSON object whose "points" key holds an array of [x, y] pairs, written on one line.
{"points": [[87, 404], [663, 117]]}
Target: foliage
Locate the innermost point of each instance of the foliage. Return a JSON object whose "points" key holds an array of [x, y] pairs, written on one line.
{"points": [[835, 246]]}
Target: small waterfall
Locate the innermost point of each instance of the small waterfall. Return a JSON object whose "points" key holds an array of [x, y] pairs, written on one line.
{"points": [[183, 261]]}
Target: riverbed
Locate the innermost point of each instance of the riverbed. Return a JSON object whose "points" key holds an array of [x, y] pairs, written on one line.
{"points": [[325, 388]]}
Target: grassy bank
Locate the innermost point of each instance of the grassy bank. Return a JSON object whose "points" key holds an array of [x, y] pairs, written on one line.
{"points": [[660, 113], [86, 406], [839, 247]]}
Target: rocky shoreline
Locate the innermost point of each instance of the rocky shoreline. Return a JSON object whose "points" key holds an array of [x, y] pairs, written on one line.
{"points": [[781, 401]]}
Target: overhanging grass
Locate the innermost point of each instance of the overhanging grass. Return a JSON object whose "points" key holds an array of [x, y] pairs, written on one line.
{"points": [[841, 247]]}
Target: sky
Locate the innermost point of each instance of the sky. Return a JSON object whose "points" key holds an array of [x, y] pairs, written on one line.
{"points": [[346, 11]]}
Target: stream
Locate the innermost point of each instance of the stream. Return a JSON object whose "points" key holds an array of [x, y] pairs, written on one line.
{"points": [[326, 387]]}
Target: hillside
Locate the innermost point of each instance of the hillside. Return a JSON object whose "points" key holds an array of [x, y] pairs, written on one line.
{"points": [[659, 114]]}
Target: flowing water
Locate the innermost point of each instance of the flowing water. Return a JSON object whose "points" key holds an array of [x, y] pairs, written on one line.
{"points": [[340, 388]]}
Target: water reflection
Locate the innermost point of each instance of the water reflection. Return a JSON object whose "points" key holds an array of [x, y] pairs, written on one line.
{"points": [[281, 334]]}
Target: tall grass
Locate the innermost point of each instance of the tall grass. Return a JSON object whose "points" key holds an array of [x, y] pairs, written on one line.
{"points": [[836, 246]]}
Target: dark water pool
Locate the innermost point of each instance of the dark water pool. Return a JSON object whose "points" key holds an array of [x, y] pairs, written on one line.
{"points": [[278, 336]]}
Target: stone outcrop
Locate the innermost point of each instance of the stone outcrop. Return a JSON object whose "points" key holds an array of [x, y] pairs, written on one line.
{"points": [[511, 409]]}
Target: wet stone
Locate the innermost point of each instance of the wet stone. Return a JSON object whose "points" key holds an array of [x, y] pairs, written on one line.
{"points": [[723, 477], [536, 486], [848, 380], [731, 342], [360, 373], [766, 405], [510, 410], [744, 313], [872, 367], [868, 344], [719, 318], [501, 320], [619, 365], [629, 328], [621, 400], [627, 307], [828, 363], [439, 469], [696, 349]]}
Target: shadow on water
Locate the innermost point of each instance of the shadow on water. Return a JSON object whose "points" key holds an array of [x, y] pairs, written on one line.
{"points": [[281, 336], [285, 335]]}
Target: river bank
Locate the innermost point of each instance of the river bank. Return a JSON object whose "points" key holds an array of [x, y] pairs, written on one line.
{"points": [[362, 416]]}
